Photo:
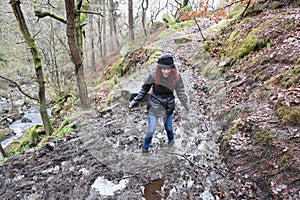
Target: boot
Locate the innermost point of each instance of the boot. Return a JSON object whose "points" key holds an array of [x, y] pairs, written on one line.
{"points": [[170, 137], [146, 144]]}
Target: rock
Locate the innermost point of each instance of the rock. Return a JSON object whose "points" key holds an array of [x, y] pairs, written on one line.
{"points": [[12, 147], [5, 134], [4, 94], [25, 120], [19, 103], [181, 40], [30, 138], [225, 62], [131, 90], [50, 146]]}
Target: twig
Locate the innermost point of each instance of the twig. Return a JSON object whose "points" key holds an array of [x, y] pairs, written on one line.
{"points": [[199, 28], [129, 176], [108, 108], [184, 156], [242, 15], [109, 123]]}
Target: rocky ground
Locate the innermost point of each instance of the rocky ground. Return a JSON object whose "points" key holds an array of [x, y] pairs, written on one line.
{"points": [[102, 158]]}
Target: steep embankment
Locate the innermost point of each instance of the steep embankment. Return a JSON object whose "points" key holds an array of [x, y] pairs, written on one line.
{"points": [[259, 60]]}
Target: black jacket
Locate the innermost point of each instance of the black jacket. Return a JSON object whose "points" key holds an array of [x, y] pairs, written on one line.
{"points": [[162, 99]]}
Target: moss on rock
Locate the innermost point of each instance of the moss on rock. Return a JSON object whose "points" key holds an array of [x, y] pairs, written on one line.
{"points": [[239, 46], [29, 139], [167, 18], [5, 133], [289, 115], [180, 40]]}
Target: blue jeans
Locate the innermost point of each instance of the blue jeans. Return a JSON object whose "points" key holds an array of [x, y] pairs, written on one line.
{"points": [[152, 123]]}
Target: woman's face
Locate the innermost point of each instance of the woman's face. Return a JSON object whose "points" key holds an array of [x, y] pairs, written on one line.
{"points": [[166, 72]]}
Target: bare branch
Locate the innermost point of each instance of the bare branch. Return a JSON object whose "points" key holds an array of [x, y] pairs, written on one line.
{"points": [[49, 3], [41, 14], [90, 12], [199, 28], [19, 88]]}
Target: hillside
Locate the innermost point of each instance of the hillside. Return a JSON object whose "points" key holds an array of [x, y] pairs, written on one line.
{"points": [[240, 140]]}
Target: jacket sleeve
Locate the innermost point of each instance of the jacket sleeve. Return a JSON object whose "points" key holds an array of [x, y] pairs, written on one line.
{"points": [[145, 88], [180, 91]]}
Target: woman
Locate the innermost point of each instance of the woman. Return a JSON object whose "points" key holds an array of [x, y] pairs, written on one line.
{"points": [[163, 81]]}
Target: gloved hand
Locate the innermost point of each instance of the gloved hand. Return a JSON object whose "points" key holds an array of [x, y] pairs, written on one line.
{"points": [[133, 103]]}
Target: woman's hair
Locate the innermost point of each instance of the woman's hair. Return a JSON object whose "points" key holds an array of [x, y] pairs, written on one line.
{"points": [[172, 78]]}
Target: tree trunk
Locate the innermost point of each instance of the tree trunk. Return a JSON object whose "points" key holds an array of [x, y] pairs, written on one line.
{"points": [[145, 4], [74, 34], [100, 42], [93, 59], [116, 34], [15, 4], [185, 3], [130, 21], [111, 26], [115, 19], [104, 37]]}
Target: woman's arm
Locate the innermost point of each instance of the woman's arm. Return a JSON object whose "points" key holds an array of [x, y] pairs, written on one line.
{"points": [[180, 91], [143, 91]]}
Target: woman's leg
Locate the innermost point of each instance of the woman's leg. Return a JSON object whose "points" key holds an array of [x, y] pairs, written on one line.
{"points": [[169, 129], [152, 122]]}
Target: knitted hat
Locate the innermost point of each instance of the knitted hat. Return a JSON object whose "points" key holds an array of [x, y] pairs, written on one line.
{"points": [[166, 60]]}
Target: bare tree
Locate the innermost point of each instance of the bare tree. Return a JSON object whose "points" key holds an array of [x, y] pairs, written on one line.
{"points": [[74, 34], [93, 59], [104, 36], [130, 21], [100, 41], [15, 4], [115, 19], [111, 26], [156, 10], [145, 5]]}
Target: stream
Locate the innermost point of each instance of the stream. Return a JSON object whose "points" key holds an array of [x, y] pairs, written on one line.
{"points": [[31, 117]]}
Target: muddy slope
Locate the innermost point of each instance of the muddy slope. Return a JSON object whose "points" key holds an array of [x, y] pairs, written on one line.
{"points": [[256, 164], [108, 146]]}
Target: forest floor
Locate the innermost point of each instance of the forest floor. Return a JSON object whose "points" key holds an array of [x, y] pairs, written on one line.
{"points": [[102, 158]]}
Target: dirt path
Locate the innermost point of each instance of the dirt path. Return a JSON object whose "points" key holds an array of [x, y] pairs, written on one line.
{"points": [[103, 156]]}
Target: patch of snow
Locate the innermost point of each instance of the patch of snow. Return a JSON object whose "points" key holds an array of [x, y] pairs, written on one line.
{"points": [[106, 187]]}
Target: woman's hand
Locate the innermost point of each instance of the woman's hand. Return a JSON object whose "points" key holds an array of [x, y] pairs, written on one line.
{"points": [[133, 103]]}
